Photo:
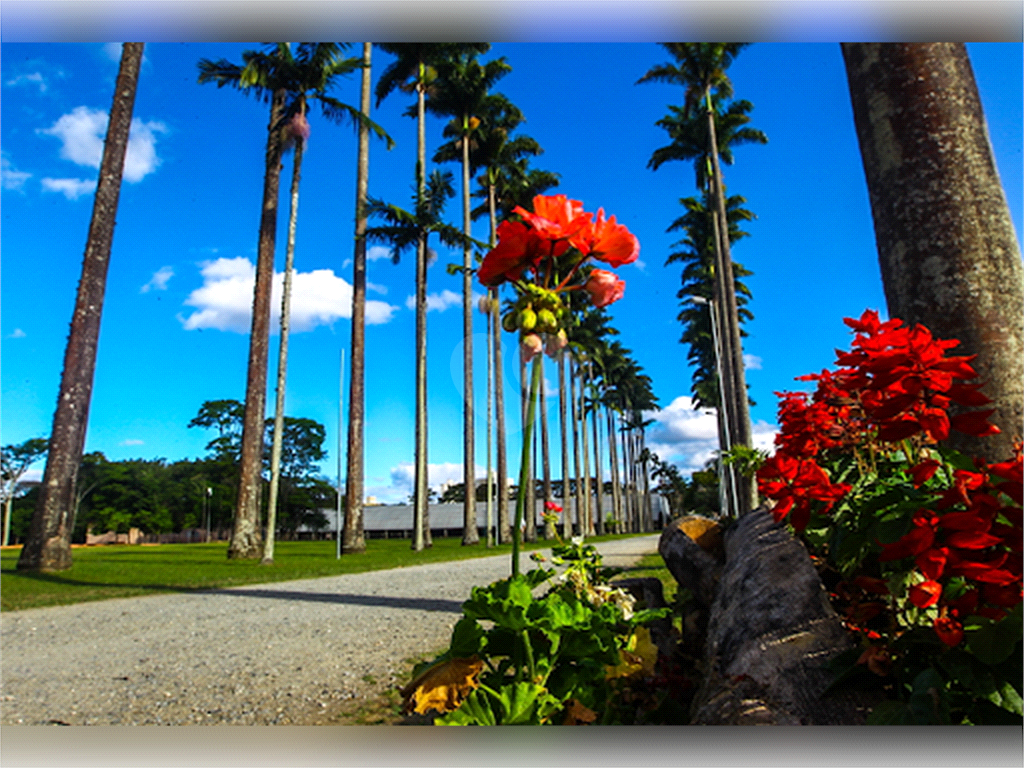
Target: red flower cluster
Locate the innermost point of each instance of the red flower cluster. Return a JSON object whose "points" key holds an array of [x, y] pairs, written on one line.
{"points": [[555, 225], [964, 537], [896, 383]]}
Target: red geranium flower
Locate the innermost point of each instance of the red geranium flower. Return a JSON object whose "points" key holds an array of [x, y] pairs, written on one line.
{"points": [[555, 217], [519, 248], [607, 241]]}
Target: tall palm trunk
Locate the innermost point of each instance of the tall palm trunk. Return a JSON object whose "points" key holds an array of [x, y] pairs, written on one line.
{"points": [[598, 478], [48, 544], [245, 536], [549, 528], [580, 528], [282, 357], [504, 521], [469, 531], [421, 510], [354, 541], [588, 527], [730, 329], [946, 244], [566, 514], [530, 519], [613, 465], [648, 511]]}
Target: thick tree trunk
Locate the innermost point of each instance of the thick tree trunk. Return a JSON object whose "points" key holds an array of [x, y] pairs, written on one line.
{"points": [[946, 246], [354, 541], [48, 544], [469, 531], [245, 536], [282, 358]]}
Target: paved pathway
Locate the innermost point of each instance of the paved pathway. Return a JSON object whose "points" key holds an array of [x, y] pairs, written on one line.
{"points": [[282, 653]]}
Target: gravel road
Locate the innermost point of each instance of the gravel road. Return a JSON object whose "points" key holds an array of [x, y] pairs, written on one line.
{"points": [[284, 653]]}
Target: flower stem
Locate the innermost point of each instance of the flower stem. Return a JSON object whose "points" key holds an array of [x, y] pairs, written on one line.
{"points": [[524, 467]]}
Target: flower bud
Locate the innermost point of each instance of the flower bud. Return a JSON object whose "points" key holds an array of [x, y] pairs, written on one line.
{"points": [[510, 322], [527, 319], [556, 343], [484, 305], [531, 346], [604, 287]]}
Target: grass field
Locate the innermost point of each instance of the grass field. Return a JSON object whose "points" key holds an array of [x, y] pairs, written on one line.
{"points": [[101, 573]]}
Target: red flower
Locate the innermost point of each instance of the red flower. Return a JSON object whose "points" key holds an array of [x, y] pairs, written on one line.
{"points": [[932, 561], [604, 287], [925, 594], [975, 423], [924, 471], [555, 217], [519, 248], [607, 241], [916, 541], [794, 483], [949, 630], [550, 506], [531, 346]]}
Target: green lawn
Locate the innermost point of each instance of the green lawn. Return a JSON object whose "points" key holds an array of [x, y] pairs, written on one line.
{"points": [[100, 573]]}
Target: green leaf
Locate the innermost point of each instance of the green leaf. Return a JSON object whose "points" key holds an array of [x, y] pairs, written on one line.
{"points": [[890, 713], [992, 642], [475, 710], [928, 703], [520, 701], [466, 638]]}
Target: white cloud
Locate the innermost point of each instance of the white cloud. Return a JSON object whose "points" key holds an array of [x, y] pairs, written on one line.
{"points": [[113, 51], [402, 475], [82, 131], [688, 438], [35, 78], [158, 281], [11, 178], [437, 301], [376, 252], [18, 334], [752, 362], [641, 265], [132, 442], [381, 289], [224, 301], [72, 189]]}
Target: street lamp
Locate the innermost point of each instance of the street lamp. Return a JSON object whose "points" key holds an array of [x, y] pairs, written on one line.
{"points": [[723, 469]]}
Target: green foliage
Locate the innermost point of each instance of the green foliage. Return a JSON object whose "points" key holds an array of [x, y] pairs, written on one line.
{"points": [[543, 655]]}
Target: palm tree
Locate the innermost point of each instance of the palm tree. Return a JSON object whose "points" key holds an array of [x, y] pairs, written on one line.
{"points": [[353, 541], [311, 74], [700, 69], [270, 76], [461, 90], [402, 230], [48, 544], [946, 244], [413, 71]]}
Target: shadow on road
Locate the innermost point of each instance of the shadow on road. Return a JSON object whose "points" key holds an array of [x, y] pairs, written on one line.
{"points": [[376, 601]]}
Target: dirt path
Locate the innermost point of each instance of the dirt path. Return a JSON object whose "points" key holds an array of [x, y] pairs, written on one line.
{"points": [[301, 652]]}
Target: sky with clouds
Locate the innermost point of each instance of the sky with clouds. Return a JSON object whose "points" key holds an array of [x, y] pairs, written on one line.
{"points": [[179, 291]]}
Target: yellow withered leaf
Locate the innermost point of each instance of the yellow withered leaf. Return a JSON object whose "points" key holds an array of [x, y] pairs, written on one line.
{"points": [[577, 714], [639, 655], [444, 686]]}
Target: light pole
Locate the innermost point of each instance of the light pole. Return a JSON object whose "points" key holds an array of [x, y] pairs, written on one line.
{"points": [[732, 509], [206, 504]]}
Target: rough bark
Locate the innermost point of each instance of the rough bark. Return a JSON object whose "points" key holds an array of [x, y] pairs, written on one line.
{"points": [[48, 544], [421, 508], [946, 246], [245, 536], [282, 359], [354, 541], [469, 531], [770, 634]]}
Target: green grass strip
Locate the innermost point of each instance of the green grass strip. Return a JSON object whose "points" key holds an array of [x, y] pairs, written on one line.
{"points": [[105, 572]]}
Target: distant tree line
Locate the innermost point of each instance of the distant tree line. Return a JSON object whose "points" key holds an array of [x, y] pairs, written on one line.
{"points": [[157, 496]]}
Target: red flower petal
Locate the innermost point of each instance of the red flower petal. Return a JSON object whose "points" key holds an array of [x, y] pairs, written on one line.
{"points": [[925, 594], [949, 630], [975, 423]]}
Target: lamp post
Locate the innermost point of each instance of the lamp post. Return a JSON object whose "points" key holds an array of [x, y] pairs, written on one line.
{"points": [[732, 506], [206, 504]]}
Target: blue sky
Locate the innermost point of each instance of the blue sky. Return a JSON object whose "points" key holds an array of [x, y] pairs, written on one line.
{"points": [[175, 320]]}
